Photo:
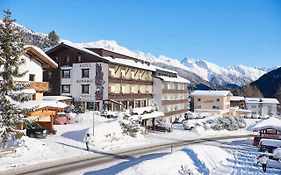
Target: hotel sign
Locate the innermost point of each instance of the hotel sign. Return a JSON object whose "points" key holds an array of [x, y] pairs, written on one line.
{"points": [[85, 65], [85, 81]]}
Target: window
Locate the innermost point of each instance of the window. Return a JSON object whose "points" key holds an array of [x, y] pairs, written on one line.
{"points": [[218, 99], [66, 60], [85, 88], [199, 99], [90, 105], [199, 107], [65, 73], [85, 73], [65, 89], [49, 74], [78, 59], [31, 77]]}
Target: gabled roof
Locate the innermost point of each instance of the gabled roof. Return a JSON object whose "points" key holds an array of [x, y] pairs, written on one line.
{"points": [[237, 98], [173, 79], [211, 93], [40, 56], [270, 123], [78, 48], [262, 100]]}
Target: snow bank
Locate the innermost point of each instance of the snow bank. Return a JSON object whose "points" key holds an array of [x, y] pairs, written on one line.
{"points": [[272, 123], [27, 149], [199, 159]]}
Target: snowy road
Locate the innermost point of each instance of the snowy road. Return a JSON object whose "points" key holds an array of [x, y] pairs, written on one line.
{"points": [[104, 158]]}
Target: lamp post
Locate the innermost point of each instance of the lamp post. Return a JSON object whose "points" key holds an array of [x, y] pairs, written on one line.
{"points": [[94, 119]]}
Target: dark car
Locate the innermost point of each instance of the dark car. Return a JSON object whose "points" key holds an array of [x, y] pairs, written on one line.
{"points": [[161, 126], [34, 130]]}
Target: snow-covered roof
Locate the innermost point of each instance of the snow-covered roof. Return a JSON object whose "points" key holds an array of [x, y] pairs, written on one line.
{"points": [[164, 69], [154, 114], [38, 104], [262, 100], [210, 93], [270, 123], [56, 98], [43, 58], [131, 63], [25, 91], [237, 98], [270, 142], [173, 79]]}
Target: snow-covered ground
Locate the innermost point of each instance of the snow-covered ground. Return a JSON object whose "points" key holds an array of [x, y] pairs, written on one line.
{"points": [[228, 157], [69, 141]]}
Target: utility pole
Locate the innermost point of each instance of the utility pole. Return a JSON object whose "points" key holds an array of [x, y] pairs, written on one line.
{"points": [[94, 119]]}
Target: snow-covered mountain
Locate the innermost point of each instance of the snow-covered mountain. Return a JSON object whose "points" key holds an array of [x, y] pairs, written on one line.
{"points": [[196, 71], [236, 75], [210, 72]]}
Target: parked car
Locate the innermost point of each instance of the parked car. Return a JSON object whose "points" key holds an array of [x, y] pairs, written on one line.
{"points": [[272, 162], [163, 126], [34, 130], [61, 118], [188, 124], [269, 145]]}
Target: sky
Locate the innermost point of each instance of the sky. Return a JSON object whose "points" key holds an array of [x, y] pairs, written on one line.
{"points": [[225, 32]]}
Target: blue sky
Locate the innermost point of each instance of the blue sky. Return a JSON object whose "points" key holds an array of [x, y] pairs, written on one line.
{"points": [[226, 32]]}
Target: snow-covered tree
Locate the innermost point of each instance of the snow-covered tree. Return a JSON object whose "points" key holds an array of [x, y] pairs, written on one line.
{"points": [[11, 48], [185, 170], [53, 38]]}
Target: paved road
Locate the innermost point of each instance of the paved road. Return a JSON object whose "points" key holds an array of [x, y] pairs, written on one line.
{"points": [[65, 166]]}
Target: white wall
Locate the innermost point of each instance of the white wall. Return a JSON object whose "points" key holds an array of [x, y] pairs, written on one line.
{"points": [[157, 92], [76, 81], [33, 67]]}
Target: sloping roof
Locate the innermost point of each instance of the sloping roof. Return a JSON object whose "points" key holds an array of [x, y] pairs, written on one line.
{"points": [[262, 100], [38, 104], [237, 98], [56, 98], [43, 58], [131, 63], [173, 79], [270, 123], [164, 69], [77, 47], [211, 93]]}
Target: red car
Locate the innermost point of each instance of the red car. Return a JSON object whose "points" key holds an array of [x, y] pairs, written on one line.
{"points": [[61, 118]]}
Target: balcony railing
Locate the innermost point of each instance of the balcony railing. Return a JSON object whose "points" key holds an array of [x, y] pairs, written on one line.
{"points": [[170, 102], [129, 95], [129, 81], [175, 91], [39, 86]]}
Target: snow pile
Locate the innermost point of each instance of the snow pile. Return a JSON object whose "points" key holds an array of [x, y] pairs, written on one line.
{"points": [[199, 159], [272, 123], [26, 149], [105, 130], [229, 123]]}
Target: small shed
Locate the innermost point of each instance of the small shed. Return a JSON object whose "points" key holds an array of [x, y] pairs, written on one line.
{"points": [[43, 112], [269, 128]]}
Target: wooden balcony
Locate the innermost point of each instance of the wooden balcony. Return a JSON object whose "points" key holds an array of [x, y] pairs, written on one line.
{"points": [[129, 81], [119, 96], [170, 102], [176, 91], [39, 86], [181, 111]]}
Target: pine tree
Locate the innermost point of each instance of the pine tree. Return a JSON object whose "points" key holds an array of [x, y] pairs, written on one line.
{"points": [[53, 38], [11, 47], [248, 91]]}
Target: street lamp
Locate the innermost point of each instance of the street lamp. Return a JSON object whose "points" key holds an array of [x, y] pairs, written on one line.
{"points": [[94, 119]]}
